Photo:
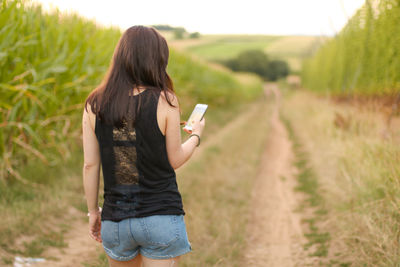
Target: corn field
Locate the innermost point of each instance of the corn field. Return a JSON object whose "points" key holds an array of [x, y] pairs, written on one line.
{"points": [[364, 58], [48, 65]]}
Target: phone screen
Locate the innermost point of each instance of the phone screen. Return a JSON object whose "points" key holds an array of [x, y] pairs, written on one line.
{"points": [[197, 114]]}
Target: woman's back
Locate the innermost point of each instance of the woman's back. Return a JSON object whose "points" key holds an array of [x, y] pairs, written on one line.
{"points": [[138, 178], [136, 139]]}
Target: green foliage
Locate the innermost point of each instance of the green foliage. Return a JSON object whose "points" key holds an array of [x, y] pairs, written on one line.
{"points": [[363, 58], [254, 61], [194, 35], [223, 47], [163, 27], [257, 62], [49, 63], [37, 246], [277, 69], [292, 49], [196, 82], [179, 33], [313, 201]]}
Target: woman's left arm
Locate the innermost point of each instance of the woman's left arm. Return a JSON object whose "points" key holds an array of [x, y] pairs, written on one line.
{"points": [[91, 173]]}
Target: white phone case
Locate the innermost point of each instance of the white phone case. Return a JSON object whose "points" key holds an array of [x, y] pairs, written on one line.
{"points": [[198, 113]]}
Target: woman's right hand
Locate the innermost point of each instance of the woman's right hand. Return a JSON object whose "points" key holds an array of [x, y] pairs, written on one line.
{"points": [[95, 225], [198, 126]]}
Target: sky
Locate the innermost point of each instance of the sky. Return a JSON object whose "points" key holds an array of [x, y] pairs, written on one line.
{"points": [[277, 17]]}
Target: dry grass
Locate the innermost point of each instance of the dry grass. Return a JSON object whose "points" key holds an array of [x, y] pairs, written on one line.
{"points": [[292, 45], [293, 49], [358, 172], [34, 219]]}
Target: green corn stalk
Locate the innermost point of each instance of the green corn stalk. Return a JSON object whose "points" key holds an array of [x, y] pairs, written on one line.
{"points": [[364, 58]]}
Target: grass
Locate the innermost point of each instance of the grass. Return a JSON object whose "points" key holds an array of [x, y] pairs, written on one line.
{"points": [[216, 189], [225, 174], [293, 49], [222, 47], [357, 171], [36, 247], [101, 261], [35, 218], [313, 205]]}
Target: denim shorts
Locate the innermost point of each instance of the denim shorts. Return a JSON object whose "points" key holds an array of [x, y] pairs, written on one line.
{"points": [[155, 237]]}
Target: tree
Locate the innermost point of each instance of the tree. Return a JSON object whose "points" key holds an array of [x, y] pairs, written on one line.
{"points": [[277, 69], [194, 35], [257, 62], [251, 61], [163, 27], [179, 32]]}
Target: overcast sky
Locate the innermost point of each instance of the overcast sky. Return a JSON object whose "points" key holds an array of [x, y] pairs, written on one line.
{"points": [[283, 17]]}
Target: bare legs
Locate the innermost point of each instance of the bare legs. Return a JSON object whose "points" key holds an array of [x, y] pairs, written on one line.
{"points": [[160, 263], [141, 261], [135, 262]]}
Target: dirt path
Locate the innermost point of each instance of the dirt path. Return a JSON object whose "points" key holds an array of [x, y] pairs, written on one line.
{"points": [[274, 231], [81, 248]]}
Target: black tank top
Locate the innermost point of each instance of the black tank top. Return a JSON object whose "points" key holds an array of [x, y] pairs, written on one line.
{"points": [[138, 178]]}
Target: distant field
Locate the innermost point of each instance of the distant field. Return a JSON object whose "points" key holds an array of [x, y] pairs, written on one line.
{"points": [[221, 47], [293, 49], [229, 46]]}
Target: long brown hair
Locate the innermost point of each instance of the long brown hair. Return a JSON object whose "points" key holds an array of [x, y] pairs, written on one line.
{"points": [[140, 60]]}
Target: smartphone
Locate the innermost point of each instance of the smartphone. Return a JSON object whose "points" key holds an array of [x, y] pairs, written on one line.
{"points": [[197, 114]]}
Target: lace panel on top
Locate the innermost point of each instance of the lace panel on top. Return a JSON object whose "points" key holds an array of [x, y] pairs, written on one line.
{"points": [[125, 154]]}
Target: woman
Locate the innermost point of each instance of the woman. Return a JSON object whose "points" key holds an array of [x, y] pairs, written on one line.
{"points": [[131, 127]]}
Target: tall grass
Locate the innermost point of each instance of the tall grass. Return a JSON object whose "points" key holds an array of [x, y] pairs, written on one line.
{"points": [[358, 172], [48, 65], [363, 58]]}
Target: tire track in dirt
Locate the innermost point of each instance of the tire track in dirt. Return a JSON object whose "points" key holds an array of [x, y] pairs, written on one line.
{"points": [[274, 233]]}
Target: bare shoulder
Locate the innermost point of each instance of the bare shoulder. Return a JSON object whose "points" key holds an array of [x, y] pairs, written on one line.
{"points": [[172, 98], [89, 115]]}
